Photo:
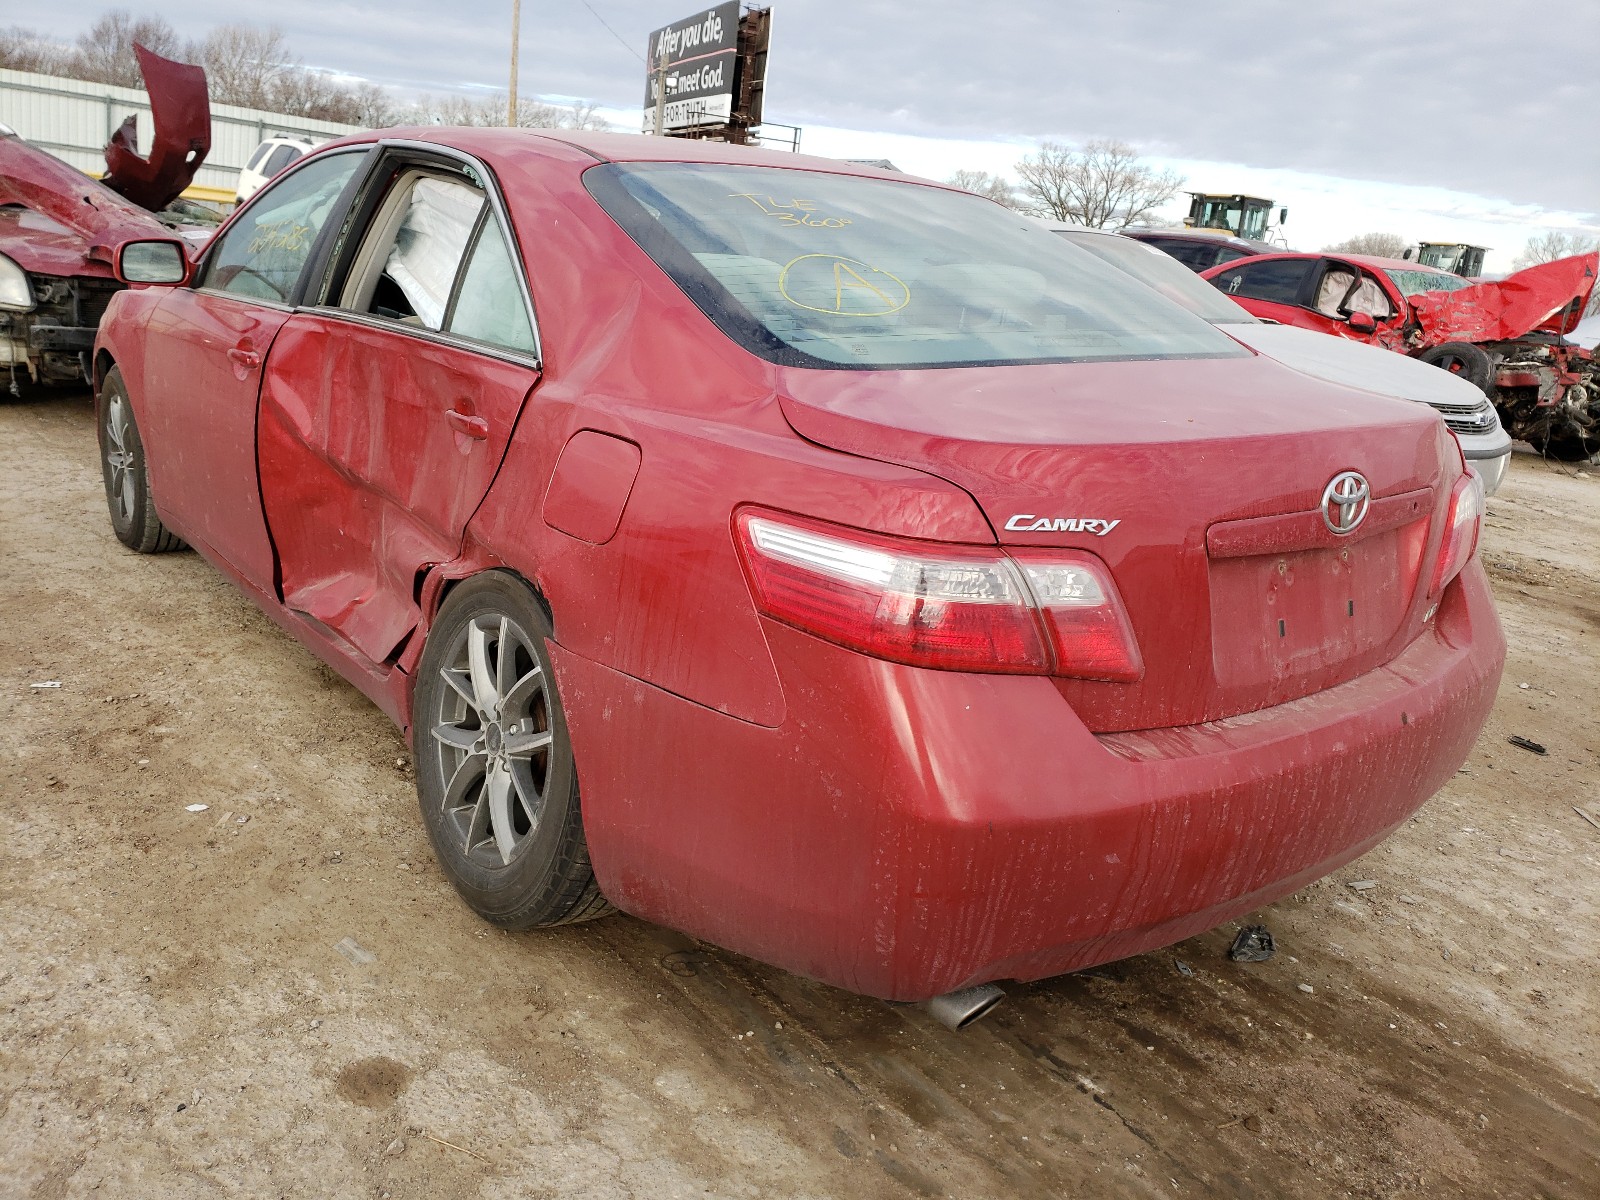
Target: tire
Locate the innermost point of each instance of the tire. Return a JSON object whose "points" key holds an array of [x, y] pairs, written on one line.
{"points": [[1470, 362], [1568, 447], [495, 775], [122, 465]]}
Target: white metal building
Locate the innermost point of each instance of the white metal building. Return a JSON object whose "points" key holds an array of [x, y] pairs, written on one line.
{"points": [[73, 119]]}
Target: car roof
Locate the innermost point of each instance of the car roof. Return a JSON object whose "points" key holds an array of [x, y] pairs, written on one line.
{"points": [[1365, 260], [1201, 237], [498, 143], [1393, 264]]}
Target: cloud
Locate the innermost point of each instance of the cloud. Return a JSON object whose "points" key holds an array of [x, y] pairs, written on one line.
{"points": [[1461, 96]]}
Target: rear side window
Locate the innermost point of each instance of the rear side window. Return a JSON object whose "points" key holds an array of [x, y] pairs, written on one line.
{"points": [[263, 252], [435, 257], [255, 159], [282, 156], [812, 269], [1276, 280], [489, 306], [423, 252], [1197, 256]]}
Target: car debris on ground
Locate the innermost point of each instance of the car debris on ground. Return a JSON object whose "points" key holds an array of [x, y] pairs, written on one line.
{"points": [[1253, 943]]}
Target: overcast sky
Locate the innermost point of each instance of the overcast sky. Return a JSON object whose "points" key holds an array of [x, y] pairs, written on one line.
{"points": [[1480, 97]]}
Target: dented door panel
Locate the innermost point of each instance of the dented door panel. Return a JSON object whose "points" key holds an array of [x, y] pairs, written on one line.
{"points": [[376, 447]]}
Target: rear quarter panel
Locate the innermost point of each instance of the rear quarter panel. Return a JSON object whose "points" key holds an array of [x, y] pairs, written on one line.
{"points": [[627, 354]]}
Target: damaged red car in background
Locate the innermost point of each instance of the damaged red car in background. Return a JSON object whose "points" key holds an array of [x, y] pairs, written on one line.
{"points": [[58, 227], [1506, 336], [908, 611]]}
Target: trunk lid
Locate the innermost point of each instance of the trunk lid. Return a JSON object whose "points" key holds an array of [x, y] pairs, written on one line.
{"points": [[1199, 483]]}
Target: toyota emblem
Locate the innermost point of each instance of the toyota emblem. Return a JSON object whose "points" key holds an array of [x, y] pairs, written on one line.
{"points": [[1345, 500]]}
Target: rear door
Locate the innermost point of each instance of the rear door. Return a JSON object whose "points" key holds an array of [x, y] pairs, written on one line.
{"points": [[387, 408], [203, 360], [1274, 288]]}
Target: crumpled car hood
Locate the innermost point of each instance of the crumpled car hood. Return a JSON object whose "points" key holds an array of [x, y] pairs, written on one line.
{"points": [[180, 110], [1535, 299], [55, 220]]}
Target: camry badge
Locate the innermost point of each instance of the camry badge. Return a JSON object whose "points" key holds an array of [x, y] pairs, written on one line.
{"points": [[1028, 523], [1345, 500]]}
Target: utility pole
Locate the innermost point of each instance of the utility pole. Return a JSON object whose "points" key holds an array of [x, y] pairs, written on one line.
{"points": [[516, 29], [661, 86]]}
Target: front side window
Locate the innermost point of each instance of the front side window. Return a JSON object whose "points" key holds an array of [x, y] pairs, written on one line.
{"points": [[263, 252], [831, 271], [1277, 280]]}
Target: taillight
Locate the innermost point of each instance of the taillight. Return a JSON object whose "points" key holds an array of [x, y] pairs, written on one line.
{"points": [[953, 608], [1088, 626], [1462, 523]]}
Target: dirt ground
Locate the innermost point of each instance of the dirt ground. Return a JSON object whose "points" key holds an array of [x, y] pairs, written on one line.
{"points": [[176, 1021]]}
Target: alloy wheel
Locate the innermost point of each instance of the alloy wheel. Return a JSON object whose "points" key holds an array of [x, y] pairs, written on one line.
{"points": [[491, 729], [120, 458]]}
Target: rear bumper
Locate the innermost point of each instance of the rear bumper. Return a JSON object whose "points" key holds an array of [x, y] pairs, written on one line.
{"points": [[907, 832]]}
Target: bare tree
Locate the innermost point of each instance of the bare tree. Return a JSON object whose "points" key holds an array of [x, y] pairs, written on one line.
{"points": [[585, 114], [105, 53], [305, 93], [1104, 183], [1379, 245], [369, 106], [491, 111], [981, 183], [253, 66], [1548, 247], [25, 50], [247, 65]]}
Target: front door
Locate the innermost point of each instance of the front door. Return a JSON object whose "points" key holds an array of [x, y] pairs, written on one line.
{"points": [[386, 411], [1340, 288], [205, 347]]}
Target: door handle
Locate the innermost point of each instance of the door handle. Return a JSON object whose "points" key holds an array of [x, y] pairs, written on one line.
{"points": [[245, 358], [466, 424]]}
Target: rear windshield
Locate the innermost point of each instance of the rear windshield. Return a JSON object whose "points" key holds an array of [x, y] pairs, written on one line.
{"points": [[810, 269], [1151, 265]]}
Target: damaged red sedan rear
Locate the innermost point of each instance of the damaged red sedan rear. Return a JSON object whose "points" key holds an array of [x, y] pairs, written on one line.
{"points": [[812, 560], [1505, 336]]}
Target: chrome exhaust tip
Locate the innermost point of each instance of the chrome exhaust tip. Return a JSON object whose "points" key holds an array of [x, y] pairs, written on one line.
{"points": [[957, 1010]]}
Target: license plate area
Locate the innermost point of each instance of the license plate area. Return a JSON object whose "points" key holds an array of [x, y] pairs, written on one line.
{"points": [[1306, 619]]}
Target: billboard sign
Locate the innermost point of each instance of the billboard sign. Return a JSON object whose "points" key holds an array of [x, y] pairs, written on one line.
{"points": [[692, 64]]}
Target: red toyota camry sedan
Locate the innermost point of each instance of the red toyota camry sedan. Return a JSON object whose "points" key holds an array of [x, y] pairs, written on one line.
{"points": [[818, 562]]}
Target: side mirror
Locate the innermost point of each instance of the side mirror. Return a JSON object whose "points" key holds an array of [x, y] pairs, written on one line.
{"points": [[1363, 322], [158, 260], [1283, 215]]}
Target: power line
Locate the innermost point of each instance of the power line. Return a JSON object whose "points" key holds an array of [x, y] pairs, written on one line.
{"points": [[612, 31]]}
